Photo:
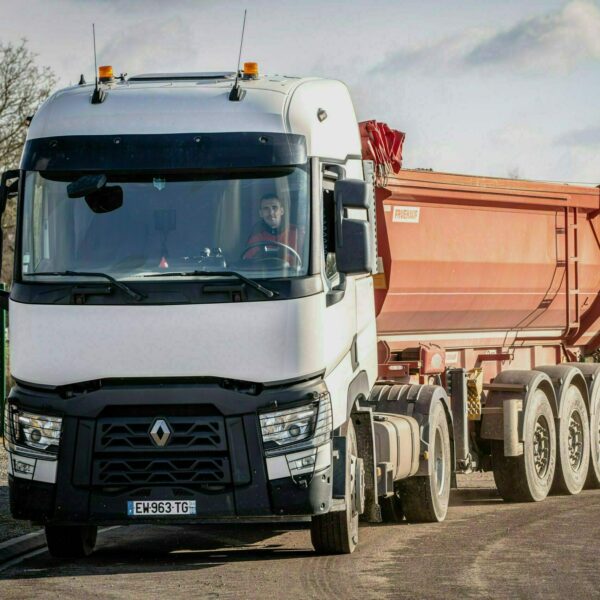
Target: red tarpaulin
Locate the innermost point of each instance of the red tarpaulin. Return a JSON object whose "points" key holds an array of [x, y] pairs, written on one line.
{"points": [[383, 146]]}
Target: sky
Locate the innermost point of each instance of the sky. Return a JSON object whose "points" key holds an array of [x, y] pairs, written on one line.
{"points": [[505, 88]]}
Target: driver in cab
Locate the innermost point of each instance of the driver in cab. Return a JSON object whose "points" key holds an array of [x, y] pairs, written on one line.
{"points": [[274, 230]]}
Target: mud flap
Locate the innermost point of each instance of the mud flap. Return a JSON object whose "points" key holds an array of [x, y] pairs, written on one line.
{"points": [[365, 438]]}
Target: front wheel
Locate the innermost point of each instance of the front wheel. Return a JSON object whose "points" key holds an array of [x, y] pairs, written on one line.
{"points": [[425, 499], [337, 532], [71, 541]]}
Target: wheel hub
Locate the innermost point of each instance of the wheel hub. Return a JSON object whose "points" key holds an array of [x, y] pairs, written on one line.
{"points": [[541, 447]]}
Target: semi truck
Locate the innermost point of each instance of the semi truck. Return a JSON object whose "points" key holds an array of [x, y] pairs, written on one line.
{"points": [[231, 304]]}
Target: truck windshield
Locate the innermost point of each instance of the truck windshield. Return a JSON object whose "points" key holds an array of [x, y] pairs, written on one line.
{"points": [[145, 225]]}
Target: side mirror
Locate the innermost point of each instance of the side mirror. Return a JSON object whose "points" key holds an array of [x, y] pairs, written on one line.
{"points": [[8, 190], [355, 232]]}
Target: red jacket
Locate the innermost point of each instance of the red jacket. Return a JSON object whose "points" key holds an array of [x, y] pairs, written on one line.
{"points": [[263, 233]]}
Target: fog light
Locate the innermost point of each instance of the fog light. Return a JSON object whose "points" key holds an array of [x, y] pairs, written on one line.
{"points": [[23, 467], [303, 464]]}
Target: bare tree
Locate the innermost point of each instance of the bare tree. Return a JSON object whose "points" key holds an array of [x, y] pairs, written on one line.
{"points": [[23, 87]]}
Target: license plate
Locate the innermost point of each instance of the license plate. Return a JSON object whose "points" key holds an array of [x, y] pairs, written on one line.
{"points": [[155, 508]]}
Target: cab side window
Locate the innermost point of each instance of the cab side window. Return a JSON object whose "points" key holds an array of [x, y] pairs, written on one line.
{"points": [[331, 271]]}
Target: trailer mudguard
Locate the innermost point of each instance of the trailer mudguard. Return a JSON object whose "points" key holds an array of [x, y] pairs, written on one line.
{"points": [[563, 376], [591, 374], [513, 385], [415, 401]]}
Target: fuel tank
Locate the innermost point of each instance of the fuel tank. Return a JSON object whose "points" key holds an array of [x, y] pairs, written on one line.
{"points": [[473, 261]]}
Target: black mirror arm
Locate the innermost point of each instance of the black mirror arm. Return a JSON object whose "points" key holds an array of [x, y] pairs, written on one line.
{"points": [[8, 191], [337, 293]]}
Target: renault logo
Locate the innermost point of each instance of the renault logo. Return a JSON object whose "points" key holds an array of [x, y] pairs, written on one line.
{"points": [[160, 432]]}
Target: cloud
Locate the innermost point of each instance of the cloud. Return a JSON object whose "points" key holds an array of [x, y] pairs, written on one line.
{"points": [[555, 41], [589, 137], [151, 46], [444, 55]]}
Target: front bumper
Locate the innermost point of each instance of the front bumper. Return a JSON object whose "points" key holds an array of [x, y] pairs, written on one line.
{"points": [[216, 456]]}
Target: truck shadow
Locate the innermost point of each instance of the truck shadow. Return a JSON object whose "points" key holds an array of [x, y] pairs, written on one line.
{"points": [[146, 549], [482, 496], [168, 549]]}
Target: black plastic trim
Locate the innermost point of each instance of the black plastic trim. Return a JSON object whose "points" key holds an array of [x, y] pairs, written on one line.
{"points": [[75, 498], [164, 291], [336, 294], [164, 152], [226, 397], [359, 386]]}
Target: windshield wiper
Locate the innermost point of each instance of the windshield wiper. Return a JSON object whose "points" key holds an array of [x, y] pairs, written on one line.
{"points": [[124, 288], [263, 290]]}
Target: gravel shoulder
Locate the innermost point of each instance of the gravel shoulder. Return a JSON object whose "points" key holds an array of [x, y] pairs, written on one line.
{"points": [[9, 527]]}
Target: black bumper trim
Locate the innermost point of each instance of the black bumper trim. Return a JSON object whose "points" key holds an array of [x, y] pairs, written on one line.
{"points": [[245, 493]]}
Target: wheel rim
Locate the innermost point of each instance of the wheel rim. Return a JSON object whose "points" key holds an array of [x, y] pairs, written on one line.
{"points": [[440, 463], [575, 441], [541, 447]]}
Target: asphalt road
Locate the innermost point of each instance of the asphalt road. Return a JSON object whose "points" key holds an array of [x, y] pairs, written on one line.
{"points": [[485, 549]]}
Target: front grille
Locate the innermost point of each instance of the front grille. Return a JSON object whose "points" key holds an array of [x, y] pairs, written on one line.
{"points": [[131, 434], [161, 471], [126, 456]]}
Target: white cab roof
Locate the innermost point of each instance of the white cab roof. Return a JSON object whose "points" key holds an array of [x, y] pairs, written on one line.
{"points": [[199, 103]]}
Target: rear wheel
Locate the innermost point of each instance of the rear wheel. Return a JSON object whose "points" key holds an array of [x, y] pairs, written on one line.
{"points": [[593, 478], [528, 478], [573, 455], [425, 499], [71, 541], [337, 532]]}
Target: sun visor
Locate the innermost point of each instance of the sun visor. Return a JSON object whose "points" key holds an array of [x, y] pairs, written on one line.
{"points": [[160, 152]]}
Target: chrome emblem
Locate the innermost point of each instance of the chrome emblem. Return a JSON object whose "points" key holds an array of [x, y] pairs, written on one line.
{"points": [[160, 432]]}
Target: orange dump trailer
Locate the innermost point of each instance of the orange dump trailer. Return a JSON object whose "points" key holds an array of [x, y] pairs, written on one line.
{"points": [[501, 272], [489, 288]]}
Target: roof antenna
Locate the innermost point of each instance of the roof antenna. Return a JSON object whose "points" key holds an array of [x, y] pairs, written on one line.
{"points": [[99, 94], [237, 93]]}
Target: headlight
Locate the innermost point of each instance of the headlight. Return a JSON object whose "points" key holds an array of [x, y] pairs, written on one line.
{"points": [[29, 431], [303, 426]]}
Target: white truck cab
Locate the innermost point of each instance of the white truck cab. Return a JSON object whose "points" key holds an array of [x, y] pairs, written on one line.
{"points": [[176, 354]]}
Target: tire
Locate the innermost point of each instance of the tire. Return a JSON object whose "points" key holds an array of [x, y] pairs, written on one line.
{"points": [[425, 499], [528, 478], [593, 478], [71, 541], [573, 455], [337, 532], [391, 508]]}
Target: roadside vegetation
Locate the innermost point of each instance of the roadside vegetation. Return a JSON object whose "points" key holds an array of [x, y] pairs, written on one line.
{"points": [[24, 85]]}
